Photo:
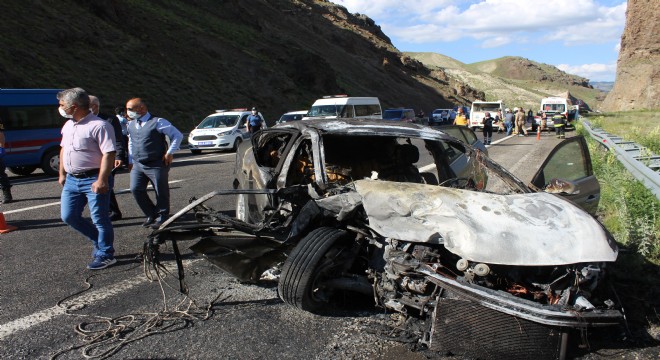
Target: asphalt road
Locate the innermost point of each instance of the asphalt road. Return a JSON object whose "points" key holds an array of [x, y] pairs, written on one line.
{"points": [[44, 293]]}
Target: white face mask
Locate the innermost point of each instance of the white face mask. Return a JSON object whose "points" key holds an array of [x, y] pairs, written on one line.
{"points": [[132, 114], [64, 114]]}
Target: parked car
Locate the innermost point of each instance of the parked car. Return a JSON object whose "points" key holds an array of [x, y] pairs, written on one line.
{"points": [[400, 114], [441, 117], [292, 116], [464, 252], [222, 130]]}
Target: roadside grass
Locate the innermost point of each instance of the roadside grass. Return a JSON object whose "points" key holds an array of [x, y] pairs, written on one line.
{"points": [[632, 214], [627, 209], [642, 127]]}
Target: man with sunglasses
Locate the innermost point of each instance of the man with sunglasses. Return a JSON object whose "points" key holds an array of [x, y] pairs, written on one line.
{"points": [[87, 157], [151, 158]]}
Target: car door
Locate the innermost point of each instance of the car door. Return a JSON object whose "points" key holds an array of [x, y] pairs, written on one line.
{"points": [[257, 167], [570, 160], [242, 127]]}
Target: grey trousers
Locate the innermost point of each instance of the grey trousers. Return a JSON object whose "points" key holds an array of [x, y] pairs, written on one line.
{"points": [[141, 176]]}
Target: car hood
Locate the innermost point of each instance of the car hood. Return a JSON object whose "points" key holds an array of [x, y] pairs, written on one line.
{"points": [[532, 229], [212, 130]]}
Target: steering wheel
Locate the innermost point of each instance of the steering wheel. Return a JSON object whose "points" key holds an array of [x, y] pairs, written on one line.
{"points": [[456, 182]]}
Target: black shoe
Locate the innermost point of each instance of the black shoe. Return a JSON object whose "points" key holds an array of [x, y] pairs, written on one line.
{"points": [[115, 216], [156, 224], [148, 221]]}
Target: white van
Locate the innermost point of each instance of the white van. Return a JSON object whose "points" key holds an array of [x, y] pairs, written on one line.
{"points": [[225, 129], [479, 108], [342, 106], [558, 105]]}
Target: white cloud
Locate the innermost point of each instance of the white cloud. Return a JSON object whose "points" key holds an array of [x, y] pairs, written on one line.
{"points": [[593, 72], [571, 22]]}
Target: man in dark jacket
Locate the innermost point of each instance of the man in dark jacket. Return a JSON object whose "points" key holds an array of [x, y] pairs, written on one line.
{"points": [[95, 104], [488, 127]]}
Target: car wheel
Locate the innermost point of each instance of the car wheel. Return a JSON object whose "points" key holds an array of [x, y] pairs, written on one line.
{"points": [[311, 263], [50, 163], [22, 170], [195, 151], [474, 128], [237, 143]]}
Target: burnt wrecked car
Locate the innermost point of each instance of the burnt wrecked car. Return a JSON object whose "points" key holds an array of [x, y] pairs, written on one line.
{"points": [[477, 262]]}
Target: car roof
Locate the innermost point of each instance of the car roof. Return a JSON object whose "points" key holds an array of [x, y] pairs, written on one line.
{"points": [[366, 127], [229, 113], [297, 112]]}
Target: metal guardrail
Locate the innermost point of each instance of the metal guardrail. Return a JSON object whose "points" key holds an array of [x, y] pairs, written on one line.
{"points": [[642, 164]]}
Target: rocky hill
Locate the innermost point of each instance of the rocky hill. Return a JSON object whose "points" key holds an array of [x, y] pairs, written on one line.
{"points": [[515, 80], [637, 84], [188, 58]]}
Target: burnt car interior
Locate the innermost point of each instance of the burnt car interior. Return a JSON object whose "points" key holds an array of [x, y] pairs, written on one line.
{"points": [[356, 214]]}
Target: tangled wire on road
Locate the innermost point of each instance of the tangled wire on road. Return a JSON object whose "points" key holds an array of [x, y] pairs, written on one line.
{"points": [[105, 336]]}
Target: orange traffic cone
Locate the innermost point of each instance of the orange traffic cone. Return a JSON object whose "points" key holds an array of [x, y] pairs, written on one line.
{"points": [[4, 228], [538, 133]]}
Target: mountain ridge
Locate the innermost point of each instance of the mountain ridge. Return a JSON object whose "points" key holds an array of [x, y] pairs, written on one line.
{"points": [[515, 80]]}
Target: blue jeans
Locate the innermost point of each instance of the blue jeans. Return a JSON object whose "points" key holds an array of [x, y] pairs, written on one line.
{"points": [[509, 127], [75, 195]]}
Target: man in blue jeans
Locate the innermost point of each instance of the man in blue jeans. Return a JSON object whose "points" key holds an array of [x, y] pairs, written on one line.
{"points": [[87, 157], [509, 121]]}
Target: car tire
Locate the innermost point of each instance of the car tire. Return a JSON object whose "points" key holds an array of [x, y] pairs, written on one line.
{"points": [[237, 143], [195, 151], [301, 280], [22, 170], [50, 163]]}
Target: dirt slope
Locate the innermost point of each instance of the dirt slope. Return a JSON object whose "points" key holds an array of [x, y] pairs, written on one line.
{"points": [[189, 58]]}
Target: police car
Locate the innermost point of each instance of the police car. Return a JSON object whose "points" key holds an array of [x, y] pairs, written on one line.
{"points": [[222, 130]]}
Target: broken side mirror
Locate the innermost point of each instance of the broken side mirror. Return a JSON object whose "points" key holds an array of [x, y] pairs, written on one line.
{"points": [[562, 186]]}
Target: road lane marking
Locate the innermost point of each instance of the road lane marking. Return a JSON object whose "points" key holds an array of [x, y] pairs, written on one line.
{"points": [[205, 157], [86, 298], [45, 178], [122, 191]]}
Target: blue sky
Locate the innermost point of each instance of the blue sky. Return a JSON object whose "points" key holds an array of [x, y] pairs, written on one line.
{"points": [[581, 37]]}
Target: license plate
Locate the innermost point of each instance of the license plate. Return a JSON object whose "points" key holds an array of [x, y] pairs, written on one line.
{"points": [[205, 143]]}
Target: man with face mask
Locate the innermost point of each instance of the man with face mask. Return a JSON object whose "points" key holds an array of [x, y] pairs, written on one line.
{"points": [[94, 105], [87, 157], [254, 121], [151, 158]]}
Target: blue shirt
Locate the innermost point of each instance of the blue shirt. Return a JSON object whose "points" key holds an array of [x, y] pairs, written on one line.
{"points": [[254, 120]]}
